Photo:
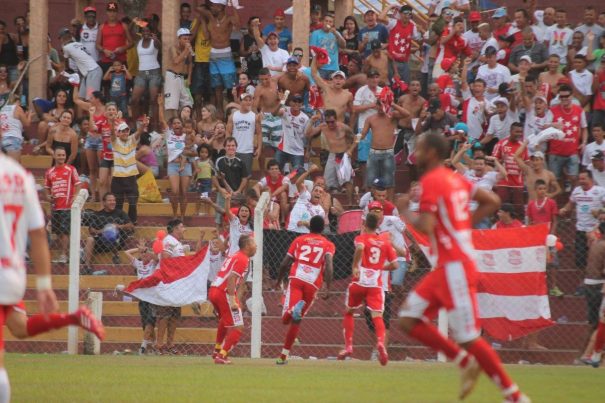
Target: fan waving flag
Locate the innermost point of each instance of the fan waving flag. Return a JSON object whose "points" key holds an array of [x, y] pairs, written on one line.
{"points": [[179, 281], [511, 291]]}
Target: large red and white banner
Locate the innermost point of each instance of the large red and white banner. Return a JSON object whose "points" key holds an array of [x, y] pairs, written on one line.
{"points": [[511, 293], [178, 281]]}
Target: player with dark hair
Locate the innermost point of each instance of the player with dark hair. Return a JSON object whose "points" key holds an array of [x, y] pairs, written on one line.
{"points": [[310, 260], [445, 217], [373, 254]]}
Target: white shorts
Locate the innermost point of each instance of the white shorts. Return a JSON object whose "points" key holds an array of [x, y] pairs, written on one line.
{"points": [[91, 83], [176, 93]]}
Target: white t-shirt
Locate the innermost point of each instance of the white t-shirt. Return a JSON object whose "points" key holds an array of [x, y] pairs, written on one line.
{"points": [[144, 270], [215, 262], [590, 149], [21, 213], [276, 58], [582, 81], [88, 38], [475, 114], [236, 230], [365, 96], [76, 51], [558, 41], [173, 246], [293, 140], [598, 176], [304, 210], [586, 202], [244, 128], [473, 39], [487, 182], [493, 77], [175, 145], [395, 227], [293, 191], [501, 128]]}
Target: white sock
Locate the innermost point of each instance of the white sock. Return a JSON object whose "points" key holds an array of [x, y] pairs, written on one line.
{"points": [[144, 344], [5, 387], [596, 357], [285, 352]]}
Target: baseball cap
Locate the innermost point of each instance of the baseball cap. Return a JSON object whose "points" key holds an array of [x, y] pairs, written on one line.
{"points": [[369, 11], [504, 88], [90, 9], [112, 6], [527, 58], [375, 205], [490, 50], [297, 98], [245, 95], [182, 32], [279, 13], [123, 126], [542, 98], [64, 31], [474, 16], [373, 73], [406, 9], [338, 73], [499, 13], [316, 8], [597, 155], [501, 100], [273, 33], [507, 208], [292, 60], [538, 154], [434, 104], [375, 44], [378, 183], [461, 126], [447, 63]]}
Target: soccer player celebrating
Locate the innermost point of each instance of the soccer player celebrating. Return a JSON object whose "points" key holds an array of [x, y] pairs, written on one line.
{"points": [[445, 217], [223, 295], [308, 257], [373, 253]]}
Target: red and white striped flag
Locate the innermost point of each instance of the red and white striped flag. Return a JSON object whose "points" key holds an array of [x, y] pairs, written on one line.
{"points": [[511, 293], [179, 281]]}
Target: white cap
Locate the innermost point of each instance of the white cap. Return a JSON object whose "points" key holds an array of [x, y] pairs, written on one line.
{"points": [[502, 100], [182, 31], [221, 2], [123, 126], [526, 58]]}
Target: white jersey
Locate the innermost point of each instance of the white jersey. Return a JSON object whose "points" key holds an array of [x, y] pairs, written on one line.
{"points": [[144, 270], [475, 114], [493, 78], [365, 96], [173, 246], [88, 38], [395, 227], [215, 262], [597, 176], [76, 51], [586, 202], [11, 126], [20, 213], [244, 129], [236, 230], [487, 182], [304, 210], [590, 149], [293, 140]]}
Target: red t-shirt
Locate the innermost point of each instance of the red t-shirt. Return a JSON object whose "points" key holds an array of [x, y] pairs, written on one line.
{"points": [[455, 46], [309, 252], [572, 122], [505, 151], [377, 252], [542, 212], [61, 181], [238, 265], [513, 224], [446, 195]]}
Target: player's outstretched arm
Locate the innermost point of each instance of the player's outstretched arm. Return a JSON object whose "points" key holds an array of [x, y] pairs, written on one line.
{"points": [[489, 202], [40, 255], [283, 269]]}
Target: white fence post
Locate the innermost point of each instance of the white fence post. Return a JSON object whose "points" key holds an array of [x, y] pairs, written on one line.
{"points": [[257, 278], [74, 266], [92, 344]]}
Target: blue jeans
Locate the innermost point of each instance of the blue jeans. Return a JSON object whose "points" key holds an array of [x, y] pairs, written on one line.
{"points": [[403, 69], [557, 163], [381, 164], [398, 275], [296, 161]]}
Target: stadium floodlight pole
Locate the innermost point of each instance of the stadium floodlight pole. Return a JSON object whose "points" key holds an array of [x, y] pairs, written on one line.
{"points": [[257, 277], [442, 324], [74, 265]]}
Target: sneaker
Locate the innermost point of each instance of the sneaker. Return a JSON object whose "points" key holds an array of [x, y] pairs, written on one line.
{"points": [[281, 361], [222, 360], [87, 321], [142, 350], [595, 364], [556, 292], [468, 377], [344, 354], [374, 355], [596, 359], [297, 311], [521, 399], [383, 357], [586, 360]]}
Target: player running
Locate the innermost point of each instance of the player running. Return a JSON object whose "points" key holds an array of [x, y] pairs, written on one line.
{"points": [[310, 260], [21, 217], [445, 217], [223, 295], [373, 254]]}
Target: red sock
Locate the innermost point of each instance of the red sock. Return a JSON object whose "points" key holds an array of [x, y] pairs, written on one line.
{"points": [[379, 329], [491, 364], [348, 324], [287, 318], [232, 338], [290, 337], [430, 336], [37, 324], [221, 331], [600, 338]]}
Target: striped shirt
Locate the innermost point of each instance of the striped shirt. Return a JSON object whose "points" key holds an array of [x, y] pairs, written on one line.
{"points": [[124, 161]]}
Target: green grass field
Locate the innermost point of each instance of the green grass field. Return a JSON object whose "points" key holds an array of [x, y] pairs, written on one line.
{"points": [[61, 378]]}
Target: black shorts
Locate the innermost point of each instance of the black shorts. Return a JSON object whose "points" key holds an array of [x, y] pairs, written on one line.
{"points": [[106, 164], [593, 303], [200, 80], [146, 312], [124, 186], [166, 312], [386, 314], [60, 221]]}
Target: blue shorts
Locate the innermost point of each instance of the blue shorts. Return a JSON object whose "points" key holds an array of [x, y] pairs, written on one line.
{"points": [[559, 164], [363, 148], [222, 72], [173, 169], [203, 185], [12, 144], [93, 143]]}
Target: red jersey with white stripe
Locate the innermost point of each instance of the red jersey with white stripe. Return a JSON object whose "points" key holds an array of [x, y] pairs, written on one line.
{"points": [[446, 195], [309, 252], [61, 181], [236, 264], [20, 212], [377, 252]]}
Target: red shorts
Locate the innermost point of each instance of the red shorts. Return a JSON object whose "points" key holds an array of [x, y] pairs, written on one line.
{"points": [[453, 287], [299, 290], [5, 310], [220, 302], [373, 297]]}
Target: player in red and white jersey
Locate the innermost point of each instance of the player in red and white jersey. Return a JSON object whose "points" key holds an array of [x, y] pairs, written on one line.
{"points": [[21, 218], [277, 184], [310, 260], [373, 254], [223, 295], [445, 217]]}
